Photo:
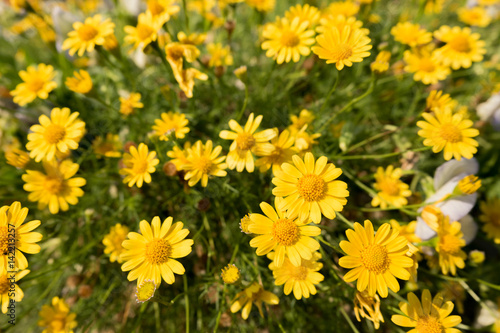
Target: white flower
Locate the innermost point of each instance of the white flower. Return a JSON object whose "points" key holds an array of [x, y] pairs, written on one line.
{"points": [[490, 111]]}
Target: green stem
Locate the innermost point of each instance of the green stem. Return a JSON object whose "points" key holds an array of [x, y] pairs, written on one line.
{"points": [[245, 102], [366, 157], [186, 300], [330, 93], [349, 321], [477, 298], [346, 221]]}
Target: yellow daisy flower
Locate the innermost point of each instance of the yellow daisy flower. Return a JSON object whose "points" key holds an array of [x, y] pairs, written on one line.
{"points": [[12, 224], [109, 146], [17, 158], [476, 16], [491, 218], [438, 100], [245, 224], [85, 36], [408, 232], [113, 242], [305, 13], [448, 131], [375, 261], [450, 243], [219, 55], [462, 47], [179, 156], [144, 33], [145, 291], [305, 117], [246, 143], [192, 39], [287, 40], [426, 66], [276, 231], [342, 47], [304, 141], [161, 10], [152, 254], [340, 21], [128, 104], [309, 188], [38, 82], [283, 152], [9, 290], [185, 79], [262, 5], [57, 318], [230, 274], [252, 294], [381, 63], [55, 135], [203, 162], [176, 52], [344, 8], [411, 34], [366, 306], [139, 165], [302, 279], [171, 123], [55, 188], [430, 315], [391, 190], [80, 83]]}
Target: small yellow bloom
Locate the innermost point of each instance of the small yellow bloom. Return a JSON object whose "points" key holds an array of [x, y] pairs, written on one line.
{"points": [[475, 16], [171, 124], [202, 162], [109, 146], [113, 242], [241, 73], [230, 274], [262, 5], [306, 13], [411, 34], [449, 247], [438, 100], [176, 52], [253, 294], [80, 83], [145, 291], [161, 10], [186, 77], [192, 39], [38, 82], [57, 318], [331, 20], [17, 158], [381, 63], [366, 306], [179, 156], [144, 33], [283, 152], [425, 65], [430, 315], [490, 216], [477, 257], [469, 184], [139, 165], [304, 141], [245, 224], [85, 36], [408, 232], [219, 55], [305, 117], [9, 290], [391, 190], [344, 8], [128, 104]]}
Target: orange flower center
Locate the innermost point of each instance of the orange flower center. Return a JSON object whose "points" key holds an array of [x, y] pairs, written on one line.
{"points": [[53, 185], [175, 52], [145, 291], [54, 133], [245, 141], [285, 232], [140, 167], [429, 325], [450, 133], [460, 44], [4, 285], [144, 31], [155, 8], [375, 258], [58, 324], [311, 187], [299, 273], [204, 164], [427, 65], [389, 186], [87, 32], [4, 241], [158, 250], [342, 52], [450, 244], [35, 84], [290, 39]]}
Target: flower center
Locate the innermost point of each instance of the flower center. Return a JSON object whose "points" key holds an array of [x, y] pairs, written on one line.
{"points": [[311, 187], [342, 52], [4, 241], [204, 164], [389, 186], [144, 31], [57, 324], [145, 291], [53, 185], [87, 32], [54, 133], [158, 251], [299, 273], [460, 44], [451, 133], [140, 167], [429, 325], [427, 65], [155, 8], [290, 39], [35, 84], [245, 141], [4, 285], [375, 258], [450, 244], [285, 232], [175, 52]]}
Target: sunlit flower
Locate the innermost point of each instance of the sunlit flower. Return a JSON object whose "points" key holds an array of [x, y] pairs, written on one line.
{"points": [[438, 100], [17, 158], [152, 254], [299, 279], [366, 306], [186, 77], [128, 104], [161, 10], [145, 291], [408, 232], [283, 152], [219, 55], [203, 162], [230, 274], [113, 242], [425, 65], [145, 32], [12, 225], [177, 52], [57, 318], [171, 124], [310, 188], [381, 63], [246, 143], [85, 36], [344, 8], [245, 224], [475, 16], [262, 5], [193, 38], [411, 34], [375, 259], [109, 146], [9, 290], [462, 47], [252, 294], [491, 218], [391, 190], [38, 82], [448, 131], [450, 243], [342, 47], [139, 165], [340, 21], [179, 156], [430, 315], [287, 40], [56, 188], [304, 141], [286, 236], [305, 117], [306, 13], [80, 83]]}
